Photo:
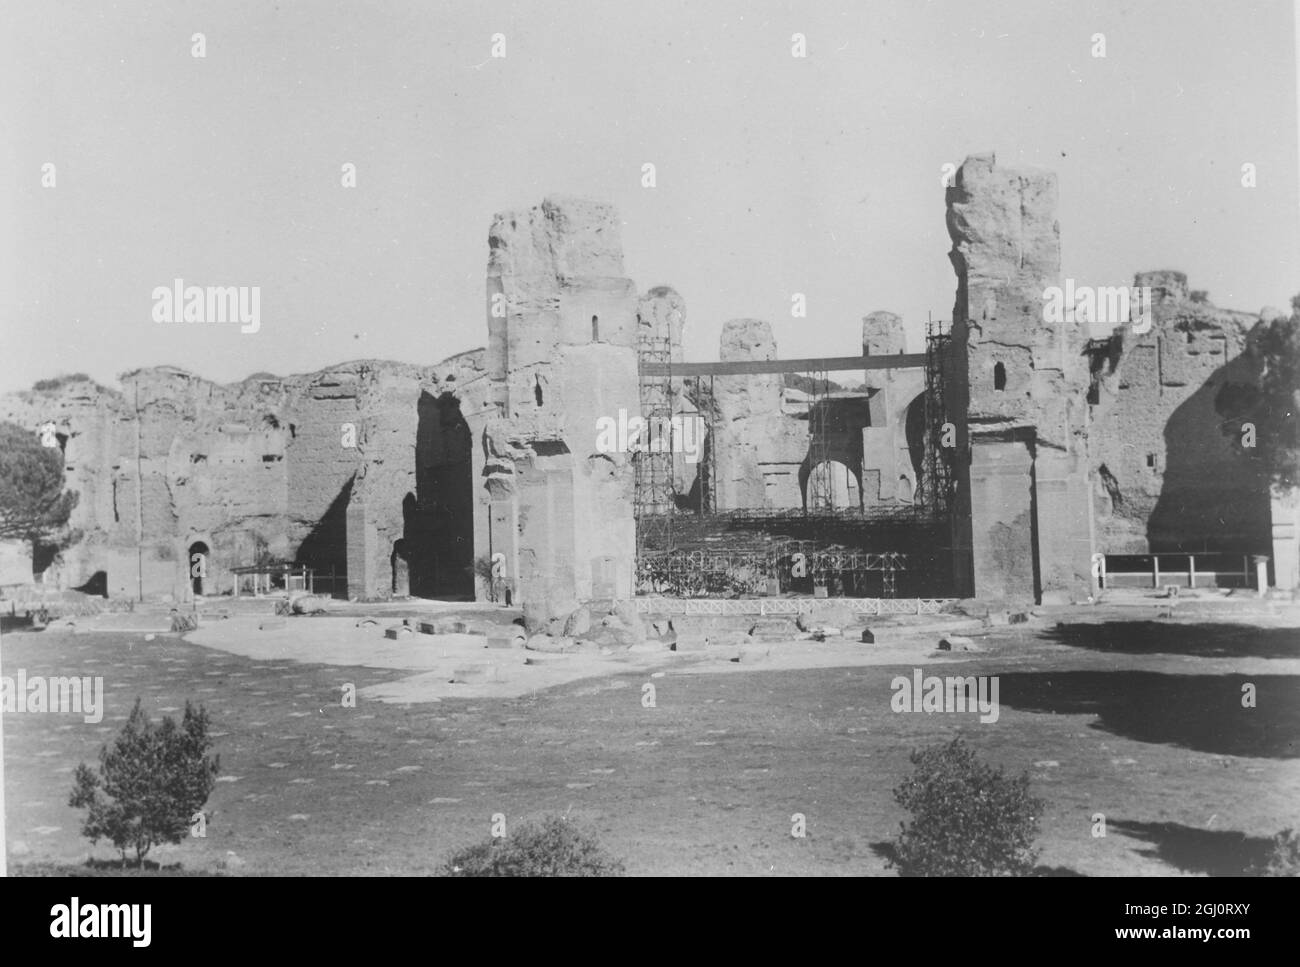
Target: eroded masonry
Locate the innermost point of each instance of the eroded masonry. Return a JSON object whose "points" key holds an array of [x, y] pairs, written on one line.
{"points": [[998, 460]]}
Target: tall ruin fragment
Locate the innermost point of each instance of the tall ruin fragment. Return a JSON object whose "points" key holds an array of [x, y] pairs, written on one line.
{"points": [[1023, 528], [563, 326]]}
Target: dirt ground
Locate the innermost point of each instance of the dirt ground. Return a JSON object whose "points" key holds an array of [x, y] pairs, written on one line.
{"points": [[1140, 721]]}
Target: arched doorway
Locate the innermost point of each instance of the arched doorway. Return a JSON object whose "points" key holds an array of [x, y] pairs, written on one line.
{"points": [[198, 566], [832, 485]]}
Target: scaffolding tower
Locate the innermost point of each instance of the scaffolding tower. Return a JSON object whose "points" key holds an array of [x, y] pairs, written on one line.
{"points": [[937, 483], [654, 496]]}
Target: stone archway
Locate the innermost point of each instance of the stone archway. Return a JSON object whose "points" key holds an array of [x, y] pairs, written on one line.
{"points": [[831, 485]]}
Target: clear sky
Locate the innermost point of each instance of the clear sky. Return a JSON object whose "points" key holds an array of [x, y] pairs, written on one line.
{"points": [[775, 174]]}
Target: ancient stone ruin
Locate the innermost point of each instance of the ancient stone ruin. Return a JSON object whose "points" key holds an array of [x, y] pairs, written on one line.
{"points": [[997, 460]]}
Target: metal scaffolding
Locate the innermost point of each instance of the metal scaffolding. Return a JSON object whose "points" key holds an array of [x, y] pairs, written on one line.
{"points": [[778, 567], [653, 497], [936, 487], [842, 544]]}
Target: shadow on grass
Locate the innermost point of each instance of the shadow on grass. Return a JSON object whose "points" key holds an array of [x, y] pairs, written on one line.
{"points": [[1192, 850], [1200, 712], [886, 851], [1196, 640]]}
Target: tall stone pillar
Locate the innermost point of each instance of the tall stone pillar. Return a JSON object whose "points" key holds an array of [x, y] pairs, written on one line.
{"points": [[747, 407], [1025, 381], [563, 326]]}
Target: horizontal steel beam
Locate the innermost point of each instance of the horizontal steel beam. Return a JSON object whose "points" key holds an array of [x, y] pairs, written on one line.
{"points": [[755, 367]]}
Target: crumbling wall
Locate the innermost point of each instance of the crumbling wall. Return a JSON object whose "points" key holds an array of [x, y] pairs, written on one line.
{"points": [[1166, 443], [264, 468]]}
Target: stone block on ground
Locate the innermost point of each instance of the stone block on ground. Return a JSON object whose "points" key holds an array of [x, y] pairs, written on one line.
{"points": [[308, 604], [543, 615], [867, 637], [185, 622], [774, 629], [958, 643], [442, 626], [825, 615], [578, 623]]}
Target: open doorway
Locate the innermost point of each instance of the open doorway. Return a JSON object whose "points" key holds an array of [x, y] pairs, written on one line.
{"points": [[438, 542]]}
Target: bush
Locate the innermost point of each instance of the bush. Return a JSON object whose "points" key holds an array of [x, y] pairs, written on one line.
{"points": [[553, 847], [1285, 858], [150, 784], [968, 819]]}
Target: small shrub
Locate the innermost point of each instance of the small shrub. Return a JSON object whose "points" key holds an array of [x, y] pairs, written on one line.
{"points": [[553, 847], [968, 819], [150, 784], [1284, 860]]}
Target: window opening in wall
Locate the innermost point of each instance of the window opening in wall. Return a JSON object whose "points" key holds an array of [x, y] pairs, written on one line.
{"points": [[595, 329], [999, 377], [537, 389]]}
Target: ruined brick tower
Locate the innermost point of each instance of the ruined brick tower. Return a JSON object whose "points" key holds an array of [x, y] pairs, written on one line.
{"points": [[562, 330], [1023, 519]]}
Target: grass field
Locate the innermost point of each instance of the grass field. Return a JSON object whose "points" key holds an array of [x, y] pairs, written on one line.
{"points": [[1140, 722]]}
